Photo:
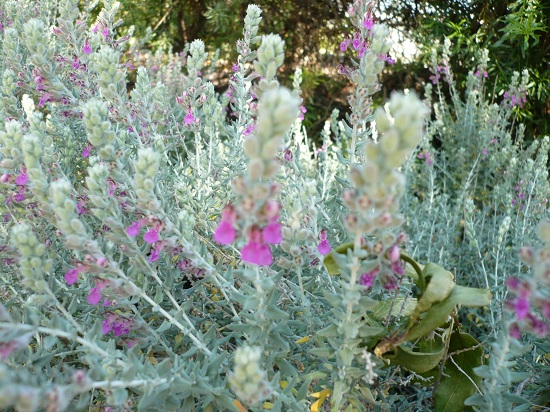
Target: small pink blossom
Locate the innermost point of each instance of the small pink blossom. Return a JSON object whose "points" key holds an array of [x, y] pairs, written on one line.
{"points": [[272, 233], [133, 229], [154, 256], [515, 331], [22, 179], [94, 296], [189, 118], [151, 236], [87, 48], [257, 254], [225, 233], [368, 23], [71, 277], [367, 279], [323, 247], [521, 306], [86, 151], [394, 254]]}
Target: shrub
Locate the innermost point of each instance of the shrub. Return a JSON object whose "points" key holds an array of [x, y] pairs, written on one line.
{"points": [[160, 253]]}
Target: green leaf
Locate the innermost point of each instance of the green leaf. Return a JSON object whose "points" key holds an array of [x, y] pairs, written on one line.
{"points": [[440, 284], [424, 357], [394, 307], [438, 313], [457, 385]]}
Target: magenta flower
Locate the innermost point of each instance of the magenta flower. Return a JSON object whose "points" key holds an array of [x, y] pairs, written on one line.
{"points": [[394, 254], [86, 152], [133, 229], [71, 277], [87, 48], [117, 324], [151, 236], [257, 254], [225, 233], [154, 256], [368, 23], [272, 233], [94, 296], [189, 118], [323, 247], [521, 306], [22, 178], [367, 279], [515, 331]]}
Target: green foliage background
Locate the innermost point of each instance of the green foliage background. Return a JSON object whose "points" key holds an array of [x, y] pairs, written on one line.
{"points": [[515, 33]]}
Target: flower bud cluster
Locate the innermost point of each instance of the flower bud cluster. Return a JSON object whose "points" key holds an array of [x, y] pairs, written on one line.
{"points": [[111, 76], [270, 56], [10, 140], [76, 233], [197, 57], [37, 41], [100, 135], [146, 167], [248, 381], [278, 110], [33, 262], [8, 99], [32, 148], [256, 213], [251, 23], [374, 201]]}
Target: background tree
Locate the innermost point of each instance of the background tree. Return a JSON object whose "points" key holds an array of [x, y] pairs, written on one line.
{"points": [[514, 34]]}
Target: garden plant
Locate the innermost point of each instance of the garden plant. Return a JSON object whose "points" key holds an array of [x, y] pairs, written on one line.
{"points": [[166, 247]]}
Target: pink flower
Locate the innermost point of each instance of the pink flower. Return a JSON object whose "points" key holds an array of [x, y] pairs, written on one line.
{"points": [[515, 331], [323, 247], [133, 229], [257, 254], [94, 296], [344, 45], [225, 233], [154, 256], [368, 23], [189, 118], [87, 48], [272, 233], [22, 179], [521, 306], [71, 277], [367, 279], [394, 254], [86, 152], [151, 236]]}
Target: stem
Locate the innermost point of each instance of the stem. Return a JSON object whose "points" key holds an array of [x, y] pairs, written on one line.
{"points": [[412, 262]]}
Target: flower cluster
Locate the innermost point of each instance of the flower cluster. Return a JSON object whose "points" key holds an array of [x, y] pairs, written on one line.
{"points": [[532, 295], [257, 214], [374, 200]]}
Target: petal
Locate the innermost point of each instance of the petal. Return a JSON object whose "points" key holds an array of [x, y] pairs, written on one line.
{"points": [[151, 236], [225, 233], [71, 276], [272, 233], [323, 247], [265, 258], [250, 252], [94, 296], [133, 229]]}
